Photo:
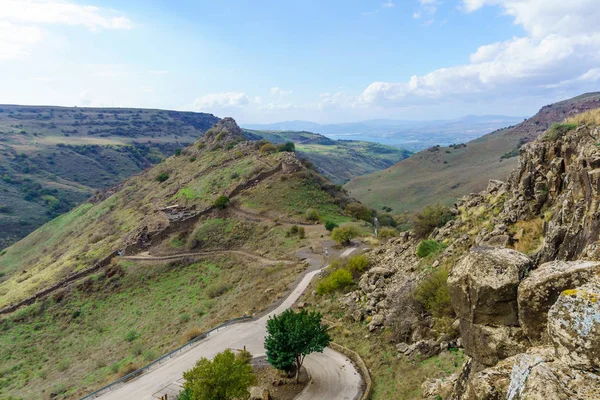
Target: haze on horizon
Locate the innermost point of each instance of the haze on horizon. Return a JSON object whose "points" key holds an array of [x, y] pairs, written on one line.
{"points": [[264, 62]]}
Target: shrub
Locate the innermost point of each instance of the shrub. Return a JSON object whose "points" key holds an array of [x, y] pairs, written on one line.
{"points": [[235, 175], [433, 294], [149, 355], [288, 147], [225, 377], [201, 145], [344, 234], [330, 225], [137, 349], [62, 365], [163, 176], [192, 158], [312, 214], [337, 280], [221, 202], [217, 290], [558, 130], [191, 334], [358, 211], [177, 152], [387, 220], [131, 336], [268, 148], [184, 318], [357, 264], [431, 217], [301, 232], [293, 229], [127, 369], [386, 233], [428, 247]]}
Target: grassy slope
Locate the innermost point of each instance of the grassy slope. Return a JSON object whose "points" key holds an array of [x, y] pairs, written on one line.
{"points": [[339, 160], [67, 153], [437, 176], [76, 340]]}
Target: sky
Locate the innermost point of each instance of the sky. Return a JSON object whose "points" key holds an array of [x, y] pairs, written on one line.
{"points": [[326, 61]]}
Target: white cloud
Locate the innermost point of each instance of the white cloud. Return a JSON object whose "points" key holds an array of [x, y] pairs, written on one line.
{"points": [[16, 41], [22, 22], [61, 12], [277, 91], [388, 4], [416, 15], [218, 101], [158, 72], [561, 49]]}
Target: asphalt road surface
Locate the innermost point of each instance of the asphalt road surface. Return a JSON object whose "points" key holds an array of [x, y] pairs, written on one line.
{"points": [[334, 377]]}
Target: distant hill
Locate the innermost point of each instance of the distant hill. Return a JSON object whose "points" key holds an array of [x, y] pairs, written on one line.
{"points": [[339, 160], [410, 135], [442, 174], [53, 158]]}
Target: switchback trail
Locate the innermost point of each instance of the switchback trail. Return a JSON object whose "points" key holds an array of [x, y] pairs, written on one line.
{"points": [[147, 257], [334, 377]]}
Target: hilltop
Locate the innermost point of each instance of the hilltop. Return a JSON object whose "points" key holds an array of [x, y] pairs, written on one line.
{"points": [[156, 260], [339, 160], [443, 174], [54, 158]]}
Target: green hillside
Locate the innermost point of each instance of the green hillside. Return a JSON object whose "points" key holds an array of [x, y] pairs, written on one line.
{"points": [[443, 174], [339, 160], [181, 257], [53, 158]]}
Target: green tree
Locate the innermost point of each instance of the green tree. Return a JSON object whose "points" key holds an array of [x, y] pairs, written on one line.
{"points": [[287, 147], [291, 336], [227, 376], [344, 234], [431, 217]]}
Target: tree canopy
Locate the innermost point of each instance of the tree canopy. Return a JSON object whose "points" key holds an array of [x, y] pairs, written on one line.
{"points": [[292, 336], [225, 377]]}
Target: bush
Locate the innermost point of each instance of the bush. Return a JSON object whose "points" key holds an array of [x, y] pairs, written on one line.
{"points": [[268, 148], [127, 369], [163, 176], [293, 229], [221, 202], [386, 233], [177, 152], [192, 158], [63, 365], [387, 220], [312, 214], [431, 217], [288, 147], [149, 355], [191, 334], [558, 130], [225, 377], [336, 281], [330, 225], [344, 234], [217, 290], [301, 232], [184, 318], [428, 247], [137, 349], [433, 294], [359, 211], [131, 336], [357, 264]]}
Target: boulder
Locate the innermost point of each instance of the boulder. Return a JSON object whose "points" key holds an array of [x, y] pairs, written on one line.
{"points": [[540, 290], [574, 327], [489, 344], [534, 375], [483, 285], [380, 271], [259, 393]]}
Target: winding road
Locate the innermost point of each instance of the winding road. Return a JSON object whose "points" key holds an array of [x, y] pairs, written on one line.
{"points": [[334, 377]]}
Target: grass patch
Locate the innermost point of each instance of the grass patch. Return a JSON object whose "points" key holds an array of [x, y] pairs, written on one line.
{"points": [[430, 247], [528, 235], [558, 130]]}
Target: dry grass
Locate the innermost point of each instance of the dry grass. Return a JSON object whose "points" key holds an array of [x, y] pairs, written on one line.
{"points": [[591, 117], [529, 235]]}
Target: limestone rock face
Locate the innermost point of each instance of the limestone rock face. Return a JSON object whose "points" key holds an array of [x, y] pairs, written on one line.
{"points": [[483, 285], [540, 290], [489, 344], [534, 375], [574, 327]]}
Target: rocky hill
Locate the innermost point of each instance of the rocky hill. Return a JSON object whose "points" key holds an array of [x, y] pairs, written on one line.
{"points": [[54, 158], [338, 160], [155, 261], [512, 280], [443, 174]]}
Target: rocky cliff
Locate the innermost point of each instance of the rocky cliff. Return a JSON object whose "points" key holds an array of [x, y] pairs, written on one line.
{"points": [[523, 281]]}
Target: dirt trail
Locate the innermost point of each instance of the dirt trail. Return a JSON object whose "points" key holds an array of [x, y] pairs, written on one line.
{"points": [[145, 256]]}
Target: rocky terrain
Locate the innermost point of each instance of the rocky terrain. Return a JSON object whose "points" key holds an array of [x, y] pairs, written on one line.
{"points": [[523, 279]]}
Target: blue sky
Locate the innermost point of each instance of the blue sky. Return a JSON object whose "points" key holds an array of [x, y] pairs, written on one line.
{"points": [[326, 61]]}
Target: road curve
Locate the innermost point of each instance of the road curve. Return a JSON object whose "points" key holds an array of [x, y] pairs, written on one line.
{"points": [[334, 377]]}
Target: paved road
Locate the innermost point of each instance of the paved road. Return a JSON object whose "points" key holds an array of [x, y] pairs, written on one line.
{"points": [[334, 377]]}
